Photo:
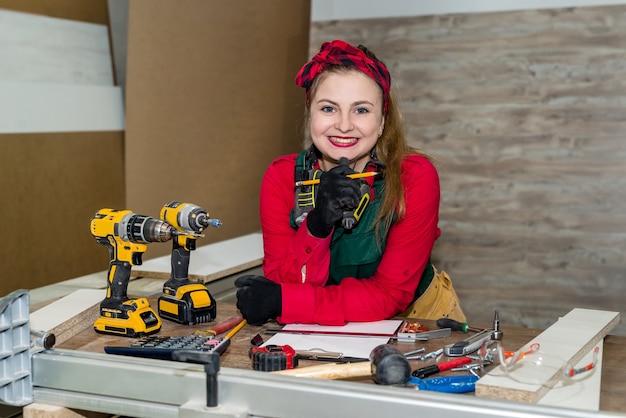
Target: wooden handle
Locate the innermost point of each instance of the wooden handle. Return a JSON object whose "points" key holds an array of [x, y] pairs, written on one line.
{"points": [[331, 371]]}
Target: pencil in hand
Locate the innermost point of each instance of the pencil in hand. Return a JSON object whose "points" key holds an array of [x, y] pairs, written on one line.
{"points": [[352, 176]]}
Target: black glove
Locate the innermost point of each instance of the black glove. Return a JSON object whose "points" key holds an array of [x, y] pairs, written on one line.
{"points": [[335, 193], [258, 299]]}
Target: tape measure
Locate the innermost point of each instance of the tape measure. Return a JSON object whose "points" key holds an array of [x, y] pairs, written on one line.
{"points": [[271, 358]]}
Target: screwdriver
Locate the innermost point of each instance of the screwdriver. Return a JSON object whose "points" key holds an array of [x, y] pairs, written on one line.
{"points": [[456, 325]]}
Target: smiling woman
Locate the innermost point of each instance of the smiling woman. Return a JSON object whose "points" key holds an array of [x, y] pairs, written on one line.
{"points": [[352, 240]]}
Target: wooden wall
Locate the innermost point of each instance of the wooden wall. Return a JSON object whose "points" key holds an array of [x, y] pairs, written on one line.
{"points": [[525, 112], [210, 101], [61, 143]]}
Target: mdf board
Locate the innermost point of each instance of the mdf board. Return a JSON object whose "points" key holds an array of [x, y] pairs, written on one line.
{"points": [[210, 101], [51, 186], [568, 340], [524, 113], [210, 262]]}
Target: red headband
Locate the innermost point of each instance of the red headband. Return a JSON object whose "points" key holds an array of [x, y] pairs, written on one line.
{"points": [[342, 53]]}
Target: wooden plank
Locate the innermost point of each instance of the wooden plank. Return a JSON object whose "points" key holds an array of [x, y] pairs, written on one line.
{"points": [[69, 315], [211, 262], [44, 49], [570, 338], [38, 410], [34, 107]]}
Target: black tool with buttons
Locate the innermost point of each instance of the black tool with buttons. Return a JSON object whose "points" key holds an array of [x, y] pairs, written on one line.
{"points": [[162, 347]]}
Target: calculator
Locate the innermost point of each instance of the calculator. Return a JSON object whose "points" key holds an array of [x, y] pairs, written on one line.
{"points": [[162, 347]]}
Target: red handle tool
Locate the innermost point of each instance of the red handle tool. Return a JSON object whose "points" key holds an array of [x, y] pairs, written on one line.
{"points": [[436, 368]]}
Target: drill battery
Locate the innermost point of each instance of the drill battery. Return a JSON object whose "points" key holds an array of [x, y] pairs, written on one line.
{"points": [[188, 304], [132, 318], [271, 358]]}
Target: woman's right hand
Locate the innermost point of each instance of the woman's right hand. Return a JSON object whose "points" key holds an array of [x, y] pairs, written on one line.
{"points": [[335, 193]]}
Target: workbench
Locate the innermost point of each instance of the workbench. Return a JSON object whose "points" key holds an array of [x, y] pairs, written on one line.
{"points": [[236, 357], [78, 375]]}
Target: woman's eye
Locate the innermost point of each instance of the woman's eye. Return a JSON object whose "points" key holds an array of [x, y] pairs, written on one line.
{"points": [[327, 109], [362, 110]]}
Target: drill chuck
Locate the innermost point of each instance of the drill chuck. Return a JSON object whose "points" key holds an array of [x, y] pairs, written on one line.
{"points": [[144, 229]]}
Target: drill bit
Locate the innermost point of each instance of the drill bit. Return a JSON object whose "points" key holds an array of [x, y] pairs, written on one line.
{"points": [[497, 333]]}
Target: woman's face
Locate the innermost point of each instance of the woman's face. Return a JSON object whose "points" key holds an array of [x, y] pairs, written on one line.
{"points": [[346, 118]]}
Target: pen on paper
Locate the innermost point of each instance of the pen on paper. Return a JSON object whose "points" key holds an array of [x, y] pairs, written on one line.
{"points": [[352, 176]]}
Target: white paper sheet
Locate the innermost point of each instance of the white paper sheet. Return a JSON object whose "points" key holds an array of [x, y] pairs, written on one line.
{"points": [[352, 345], [384, 328]]}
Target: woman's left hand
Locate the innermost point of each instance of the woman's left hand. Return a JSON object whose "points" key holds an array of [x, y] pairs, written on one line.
{"points": [[258, 299]]}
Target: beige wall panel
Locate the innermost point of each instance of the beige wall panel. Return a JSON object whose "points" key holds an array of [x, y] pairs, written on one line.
{"points": [[525, 112], [210, 102], [51, 185]]}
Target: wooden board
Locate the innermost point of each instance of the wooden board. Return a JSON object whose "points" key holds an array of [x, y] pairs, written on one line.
{"points": [[212, 261], [69, 315], [570, 338]]}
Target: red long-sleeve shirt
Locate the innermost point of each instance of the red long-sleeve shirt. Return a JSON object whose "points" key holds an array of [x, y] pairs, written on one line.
{"points": [[300, 261]]}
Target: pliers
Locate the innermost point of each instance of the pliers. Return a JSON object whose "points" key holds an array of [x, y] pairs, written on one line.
{"points": [[448, 384]]}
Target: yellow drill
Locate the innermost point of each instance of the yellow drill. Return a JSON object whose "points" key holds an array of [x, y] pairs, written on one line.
{"points": [[184, 301], [125, 234]]}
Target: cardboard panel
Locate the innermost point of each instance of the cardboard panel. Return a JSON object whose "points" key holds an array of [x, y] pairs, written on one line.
{"points": [[94, 11], [51, 185], [210, 101]]}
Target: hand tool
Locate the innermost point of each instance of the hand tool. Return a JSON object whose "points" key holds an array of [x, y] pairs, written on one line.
{"points": [[456, 325], [440, 367], [225, 343], [497, 332], [448, 384], [221, 327], [125, 234], [284, 360], [414, 331], [184, 301], [271, 358], [468, 345], [387, 366]]}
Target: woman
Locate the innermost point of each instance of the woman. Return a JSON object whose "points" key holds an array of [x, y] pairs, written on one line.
{"points": [[348, 249]]}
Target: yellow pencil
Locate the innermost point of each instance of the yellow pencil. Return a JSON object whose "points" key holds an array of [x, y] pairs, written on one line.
{"points": [[352, 176], [235, 330]]}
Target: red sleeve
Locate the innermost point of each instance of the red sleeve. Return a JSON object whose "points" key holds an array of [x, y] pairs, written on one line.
{"points": [[287, 251], [381, 296]]}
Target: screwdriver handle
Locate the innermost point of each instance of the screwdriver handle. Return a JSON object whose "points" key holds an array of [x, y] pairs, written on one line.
{"points": [[455, 325]]}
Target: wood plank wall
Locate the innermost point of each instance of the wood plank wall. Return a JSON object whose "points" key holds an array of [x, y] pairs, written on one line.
{"points": [[525, 112]]}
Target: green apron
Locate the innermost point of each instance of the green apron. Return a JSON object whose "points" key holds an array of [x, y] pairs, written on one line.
{"points": [[356, 252]]}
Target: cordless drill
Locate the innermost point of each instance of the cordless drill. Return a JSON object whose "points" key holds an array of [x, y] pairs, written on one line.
{"points": [[184, 301], [125, 234]]}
